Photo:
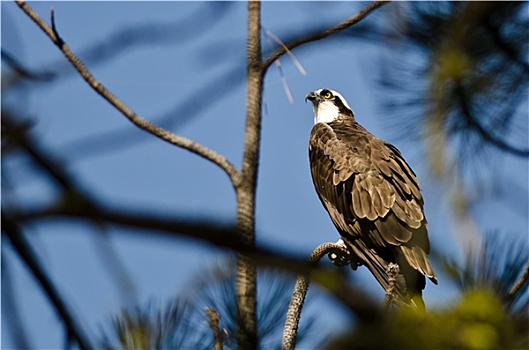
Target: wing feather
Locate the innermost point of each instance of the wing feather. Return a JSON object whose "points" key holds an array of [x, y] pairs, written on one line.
{"points": [[418, 259], [357, 201], [376, 197], [392, 230]]}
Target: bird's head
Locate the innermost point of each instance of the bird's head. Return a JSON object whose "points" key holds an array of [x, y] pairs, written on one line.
{"points": [[328, 105]]}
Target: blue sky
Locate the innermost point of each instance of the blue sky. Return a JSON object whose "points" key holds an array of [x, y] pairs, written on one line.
{"points": [[166, 79]]}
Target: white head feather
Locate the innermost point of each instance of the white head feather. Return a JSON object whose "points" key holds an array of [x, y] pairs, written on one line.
{"points": [[325, 109]]}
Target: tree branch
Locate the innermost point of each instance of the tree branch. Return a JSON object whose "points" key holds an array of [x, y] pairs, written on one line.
{"points": [[137, 120], [22, 71], [246, 290], [29, 257], [221, 235], [214, 325], [301, 287], [323, 34], [520, 282]]}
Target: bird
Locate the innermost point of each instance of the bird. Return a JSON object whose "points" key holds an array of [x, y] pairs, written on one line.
{"points": [[373, 198]]}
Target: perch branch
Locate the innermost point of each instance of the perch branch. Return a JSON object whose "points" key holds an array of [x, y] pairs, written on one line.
{"points": [[323, 34], [137, 120], [300, 292]]}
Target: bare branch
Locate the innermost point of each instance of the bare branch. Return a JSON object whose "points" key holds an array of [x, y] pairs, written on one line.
{"points": [[214, 324], [121, 138], [17, 132], [323, 34], [300, 292], [140, 122], [29, 257], [520, 282], [247, 337]]}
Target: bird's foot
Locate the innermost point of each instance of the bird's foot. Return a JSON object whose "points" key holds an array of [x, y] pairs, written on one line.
{"points": [[340, 256], [392, 271]]}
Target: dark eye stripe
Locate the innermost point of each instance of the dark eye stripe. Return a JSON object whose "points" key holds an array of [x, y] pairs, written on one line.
{"points": [[326, 93]]}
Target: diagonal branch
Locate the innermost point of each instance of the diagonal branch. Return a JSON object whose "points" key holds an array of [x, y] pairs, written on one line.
{"points": [[137, 120], [29, 257], [520, 282], [323, 34]]}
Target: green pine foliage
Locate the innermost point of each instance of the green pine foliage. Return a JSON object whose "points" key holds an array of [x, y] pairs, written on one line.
{"points": [[478, 320]]}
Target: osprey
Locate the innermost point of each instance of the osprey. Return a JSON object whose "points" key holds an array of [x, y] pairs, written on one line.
{"points": [[372, 196]]}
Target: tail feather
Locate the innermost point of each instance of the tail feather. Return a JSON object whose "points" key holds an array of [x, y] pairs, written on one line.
{"points": [[379, 268]]}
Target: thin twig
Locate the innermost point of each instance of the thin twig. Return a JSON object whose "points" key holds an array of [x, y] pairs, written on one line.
{"points": [[322, 34], [296, 62], [280, 70], [214, 325], [29, 257], [137, 120], [301, 287], [520, 282]]}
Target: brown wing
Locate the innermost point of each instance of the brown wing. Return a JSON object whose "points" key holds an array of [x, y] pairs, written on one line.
{"points": [[372, 196]]}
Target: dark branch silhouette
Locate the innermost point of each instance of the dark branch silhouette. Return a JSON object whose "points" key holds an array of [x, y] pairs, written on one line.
{"points": [[26, 253], [19, 68]]}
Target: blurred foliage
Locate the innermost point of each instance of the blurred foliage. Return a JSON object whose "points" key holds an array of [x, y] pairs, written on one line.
{"points": [[490, 313], [500, 267], [462, 85], [216, 289], [495, 267], [184, 323], [477, 321], [150, 327]]}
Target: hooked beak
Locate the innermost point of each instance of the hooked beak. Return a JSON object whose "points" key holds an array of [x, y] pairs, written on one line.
{"points": [[311, 96]]}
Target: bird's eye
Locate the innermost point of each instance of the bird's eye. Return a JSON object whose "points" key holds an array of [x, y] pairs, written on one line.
{"points": [[327, 94]]}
